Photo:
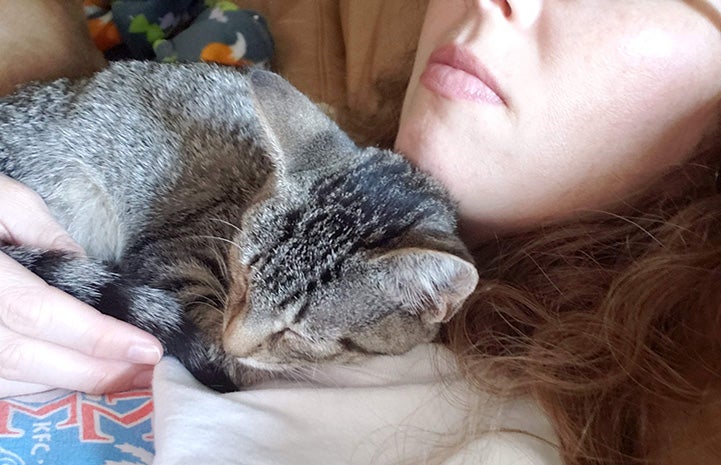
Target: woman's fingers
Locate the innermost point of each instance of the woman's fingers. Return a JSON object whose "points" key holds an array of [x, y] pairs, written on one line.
{"points": [[41, 363], [19, 388], [29, 307], [48, 338], [25, 219]]}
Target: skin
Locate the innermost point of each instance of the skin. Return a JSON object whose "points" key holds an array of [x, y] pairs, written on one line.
{"points": [[44, 40], [599, 97]]}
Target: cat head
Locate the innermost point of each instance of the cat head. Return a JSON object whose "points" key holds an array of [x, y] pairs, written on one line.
{"points": [[347, 251]]}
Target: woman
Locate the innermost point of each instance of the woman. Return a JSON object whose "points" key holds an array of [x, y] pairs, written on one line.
{"points": [[580, 141], [598, 122]]}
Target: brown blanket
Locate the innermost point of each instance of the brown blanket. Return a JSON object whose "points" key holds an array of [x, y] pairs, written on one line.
{"points": [[336, 50]]}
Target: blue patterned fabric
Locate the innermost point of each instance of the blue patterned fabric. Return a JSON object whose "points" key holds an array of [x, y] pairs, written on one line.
{"points": [[71, 428]]}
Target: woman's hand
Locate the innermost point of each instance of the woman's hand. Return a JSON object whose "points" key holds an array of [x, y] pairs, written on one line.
{"points": [[48, 338]]}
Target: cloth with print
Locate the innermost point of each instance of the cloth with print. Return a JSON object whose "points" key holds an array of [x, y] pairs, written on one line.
{"points": [[179, 30], [72, 428]]}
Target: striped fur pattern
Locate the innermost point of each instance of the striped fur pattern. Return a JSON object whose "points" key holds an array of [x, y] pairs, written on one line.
{"points": [[227, 215]]}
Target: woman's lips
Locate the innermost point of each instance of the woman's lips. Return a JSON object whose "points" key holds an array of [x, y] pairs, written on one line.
{"points": [[455, 73]]}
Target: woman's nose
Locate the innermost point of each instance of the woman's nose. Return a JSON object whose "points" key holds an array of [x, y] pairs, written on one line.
{"points": [[525, 13]]}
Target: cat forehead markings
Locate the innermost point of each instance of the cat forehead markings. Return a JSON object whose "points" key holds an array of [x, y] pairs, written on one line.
{"points": [[367, 207]]}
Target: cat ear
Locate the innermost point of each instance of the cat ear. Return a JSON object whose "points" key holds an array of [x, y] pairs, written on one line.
{"points": [[427, 282], [298, 130]]}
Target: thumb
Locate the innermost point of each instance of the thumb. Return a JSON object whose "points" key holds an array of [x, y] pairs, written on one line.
{"points": [[26, 220], [58, 239]]}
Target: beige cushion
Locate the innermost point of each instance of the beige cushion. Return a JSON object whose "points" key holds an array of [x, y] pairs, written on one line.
{"points": [[335, 50]]}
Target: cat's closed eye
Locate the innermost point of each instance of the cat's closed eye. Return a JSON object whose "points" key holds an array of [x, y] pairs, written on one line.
{"points": [[286, 333]]}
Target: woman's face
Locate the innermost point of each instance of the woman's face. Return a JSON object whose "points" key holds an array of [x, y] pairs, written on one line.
{"points": [[529, 110]]}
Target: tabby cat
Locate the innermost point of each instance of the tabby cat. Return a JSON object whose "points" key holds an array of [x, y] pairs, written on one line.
{"points": [[224, 213]]}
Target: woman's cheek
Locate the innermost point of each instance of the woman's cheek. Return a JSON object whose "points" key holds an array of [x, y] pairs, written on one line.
{"points": [[650, 45]]}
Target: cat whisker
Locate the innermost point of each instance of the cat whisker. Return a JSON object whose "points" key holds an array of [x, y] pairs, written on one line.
{"points": [[298, 374], [354, 369], [227, 223], [222, 265], [196, 268], [291, 375], [206, 304], [217, 238], [204, 300], [208, 288]]}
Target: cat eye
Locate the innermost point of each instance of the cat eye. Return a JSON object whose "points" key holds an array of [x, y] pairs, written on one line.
{"points": [[274, 338]]}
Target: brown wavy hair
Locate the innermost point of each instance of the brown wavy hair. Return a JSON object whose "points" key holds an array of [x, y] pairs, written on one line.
{"points": [[611, 321]]}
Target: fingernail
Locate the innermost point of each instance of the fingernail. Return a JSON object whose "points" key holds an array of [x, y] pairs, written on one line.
{"points": [[143, 379], [144, 353], [67, 244]]}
